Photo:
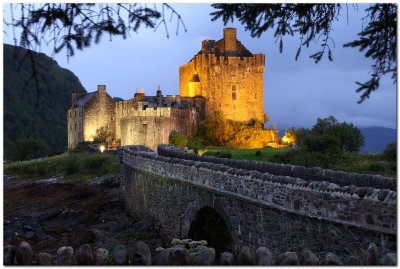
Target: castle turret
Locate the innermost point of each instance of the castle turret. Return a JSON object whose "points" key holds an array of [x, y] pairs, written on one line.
{"points": [[101, 88]]}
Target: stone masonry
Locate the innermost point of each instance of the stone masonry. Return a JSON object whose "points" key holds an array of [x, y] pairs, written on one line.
{"points": [[229, 76], [260, 208]]}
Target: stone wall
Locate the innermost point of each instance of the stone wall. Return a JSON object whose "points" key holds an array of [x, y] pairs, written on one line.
{"points": [[305, 173], [283, 213], [75, 126], [98, 112], [232, 85]]}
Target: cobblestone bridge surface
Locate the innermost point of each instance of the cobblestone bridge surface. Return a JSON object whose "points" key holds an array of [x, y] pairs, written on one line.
{"points": [[283, 207]]}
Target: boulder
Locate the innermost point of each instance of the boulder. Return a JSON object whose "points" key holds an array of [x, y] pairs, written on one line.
{"points": [[101, 256], [163, 257], [44, 259], [180, 256], [24, 253], [143, 225], [8, 255], [390, 259], [263, 256], [287, 258], [226, 258], [65, 256], [332, 259], [84, 255], [120, 255], [371, 256], [307, 257], [244, 256], [141, 254], [352, 260], [205, 256]]}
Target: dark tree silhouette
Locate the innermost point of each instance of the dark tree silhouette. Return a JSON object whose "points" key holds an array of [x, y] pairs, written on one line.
{"points": [[76, 26], [313, 23]]}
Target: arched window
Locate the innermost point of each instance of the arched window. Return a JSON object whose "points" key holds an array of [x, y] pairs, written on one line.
{"points": [[233, 92]]}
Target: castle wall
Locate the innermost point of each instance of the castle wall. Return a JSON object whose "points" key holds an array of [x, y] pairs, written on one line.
{"points": [[232, 85], [99, 112], [152, 126], [75, 126]]}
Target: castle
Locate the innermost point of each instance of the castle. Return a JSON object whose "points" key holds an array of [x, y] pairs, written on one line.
{"points": [[223, 77]]}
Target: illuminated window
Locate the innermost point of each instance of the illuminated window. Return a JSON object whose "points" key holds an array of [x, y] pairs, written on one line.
{"points": [[233, 92], [255, 96]]}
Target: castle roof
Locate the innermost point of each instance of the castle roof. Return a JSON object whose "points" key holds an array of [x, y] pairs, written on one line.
{"points": [[84, 99], [227, 46]]}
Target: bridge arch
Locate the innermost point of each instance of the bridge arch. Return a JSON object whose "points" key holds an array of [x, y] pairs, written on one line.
{"points": [[208, 224]]}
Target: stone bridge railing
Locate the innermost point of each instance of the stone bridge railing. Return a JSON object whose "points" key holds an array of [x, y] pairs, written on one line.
{"points": [[313, 193]]}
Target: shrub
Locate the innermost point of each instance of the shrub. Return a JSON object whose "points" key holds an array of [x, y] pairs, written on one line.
{"points": [[258, 153], [178, 139], [96, 164], [26, 149], [376, 167], [390, 151], [71, 164]]}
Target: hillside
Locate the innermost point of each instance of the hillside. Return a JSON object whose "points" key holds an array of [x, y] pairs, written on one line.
{"points": [[31, 112], [376, 138]]}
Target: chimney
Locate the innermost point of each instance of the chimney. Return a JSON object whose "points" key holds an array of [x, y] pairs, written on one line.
{"points": [[101, 88], [230, 39]]}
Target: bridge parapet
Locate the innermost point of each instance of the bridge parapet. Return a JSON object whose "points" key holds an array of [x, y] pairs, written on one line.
{"points": [[313, 174], [363, 207]]}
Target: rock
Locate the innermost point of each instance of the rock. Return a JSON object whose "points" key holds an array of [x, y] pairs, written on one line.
{"points": [[144, 225], [163, 257], [180, 256], [389, 259], [307, 257], [371, 256], [141, 254], [120, 255], [287, 258], [206, 256], [244, 256], [263, 256], [101, 256], [84, 255], [176, 242], [8, 255], [226, 258], [24, 253], [65, 256], [332, 259], [30, 234], [44, 259], [351, 260]]}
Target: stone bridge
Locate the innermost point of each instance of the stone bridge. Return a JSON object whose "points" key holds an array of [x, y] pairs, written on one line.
{"points": [[283, 207]]}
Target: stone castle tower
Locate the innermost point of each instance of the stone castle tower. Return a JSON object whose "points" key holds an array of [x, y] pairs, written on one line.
{"points": [[228, 76]]}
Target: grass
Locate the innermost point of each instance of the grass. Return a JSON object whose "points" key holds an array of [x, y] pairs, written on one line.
{"points": [[349, 162], [263, 154], [77, 166]]}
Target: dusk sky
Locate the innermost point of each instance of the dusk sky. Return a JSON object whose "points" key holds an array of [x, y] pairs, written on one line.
{"points": [[295, 92]]}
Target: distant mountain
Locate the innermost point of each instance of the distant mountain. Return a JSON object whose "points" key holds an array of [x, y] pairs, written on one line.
{"points": [[376, 138], [31, 112]]}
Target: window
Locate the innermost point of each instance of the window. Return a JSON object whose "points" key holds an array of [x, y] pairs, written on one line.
{"points": [[233, 92], [255, 96]]}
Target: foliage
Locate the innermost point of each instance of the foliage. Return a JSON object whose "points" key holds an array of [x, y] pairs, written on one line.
{"points": [[81, 166], [390, 151], [31, 116], [346, 136], [103, 134], [26, 149], [217, 130], [73, 26], [314, 24], [178, 139]]}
